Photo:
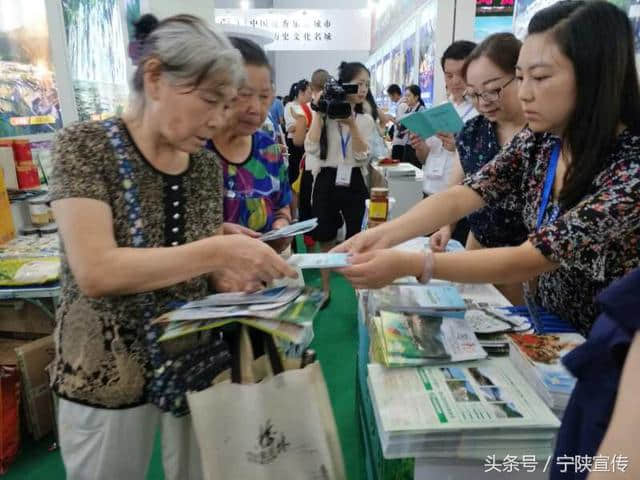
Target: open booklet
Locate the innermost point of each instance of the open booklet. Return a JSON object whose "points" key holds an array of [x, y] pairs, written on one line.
{"points": [[440, 119], [292, 230]]}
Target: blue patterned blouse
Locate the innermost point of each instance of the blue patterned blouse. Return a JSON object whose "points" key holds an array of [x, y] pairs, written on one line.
{"points": [[496, 225]]}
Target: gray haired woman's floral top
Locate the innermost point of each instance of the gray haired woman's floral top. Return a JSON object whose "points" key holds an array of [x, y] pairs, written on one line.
{"points": [[594, 243], [100, 358]]}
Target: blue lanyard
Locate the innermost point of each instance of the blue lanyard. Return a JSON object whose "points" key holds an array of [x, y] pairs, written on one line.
{"points": [[548, 185], [344, 142]]}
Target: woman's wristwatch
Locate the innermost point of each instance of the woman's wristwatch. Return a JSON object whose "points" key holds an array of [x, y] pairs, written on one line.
{"points": [[427, 269]]}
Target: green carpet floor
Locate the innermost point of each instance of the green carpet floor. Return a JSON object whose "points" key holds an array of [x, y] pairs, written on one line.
{"points": [[336, 345]]}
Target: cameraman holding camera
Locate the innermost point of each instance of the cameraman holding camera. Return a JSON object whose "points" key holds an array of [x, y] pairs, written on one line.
{"points": [[339, 138]]}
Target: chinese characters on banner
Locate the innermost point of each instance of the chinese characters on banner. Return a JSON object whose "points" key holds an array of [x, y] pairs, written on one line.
{"points": [[305, 29]]}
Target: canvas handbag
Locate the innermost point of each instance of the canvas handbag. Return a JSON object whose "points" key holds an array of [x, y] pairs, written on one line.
{"points": [[280, 428]]}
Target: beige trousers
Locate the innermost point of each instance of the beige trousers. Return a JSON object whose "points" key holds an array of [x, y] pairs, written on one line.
{"points": [[102, 444]]}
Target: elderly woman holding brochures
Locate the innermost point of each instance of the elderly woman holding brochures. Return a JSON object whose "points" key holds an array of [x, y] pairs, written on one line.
{"points": [[138, 202], [257, 194]]}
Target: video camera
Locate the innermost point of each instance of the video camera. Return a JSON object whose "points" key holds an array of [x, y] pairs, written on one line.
{"points": [[333, 102]]}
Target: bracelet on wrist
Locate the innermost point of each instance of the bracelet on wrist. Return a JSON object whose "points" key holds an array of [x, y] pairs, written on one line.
{"points": [[427, 268]]}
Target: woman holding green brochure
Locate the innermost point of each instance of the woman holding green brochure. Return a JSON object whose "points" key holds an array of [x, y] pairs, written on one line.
{"points": [[489, 72]]}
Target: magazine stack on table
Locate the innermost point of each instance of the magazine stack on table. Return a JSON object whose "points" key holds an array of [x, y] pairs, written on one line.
{"points": [[435, 299], [539, 359], [285, 312], [464, 411], [421, 325], [411, 339]]}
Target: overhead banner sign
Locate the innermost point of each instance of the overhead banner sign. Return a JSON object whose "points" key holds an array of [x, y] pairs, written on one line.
{"points": [[494, 7], [297, 29]]}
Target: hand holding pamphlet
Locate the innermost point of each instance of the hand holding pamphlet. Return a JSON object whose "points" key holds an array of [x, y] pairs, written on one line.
{"points": [[319, 260], [440, 119], [292, 230]]}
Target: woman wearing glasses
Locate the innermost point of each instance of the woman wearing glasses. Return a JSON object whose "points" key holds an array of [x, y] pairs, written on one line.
{"points": [[573, 174], [489, 72]]}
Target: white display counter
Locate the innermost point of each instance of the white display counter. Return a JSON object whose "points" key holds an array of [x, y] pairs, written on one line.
{"points": [[404, 182]]}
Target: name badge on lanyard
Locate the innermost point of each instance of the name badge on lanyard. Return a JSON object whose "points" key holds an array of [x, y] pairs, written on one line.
{"points": [[529, 297], [343, 175]]}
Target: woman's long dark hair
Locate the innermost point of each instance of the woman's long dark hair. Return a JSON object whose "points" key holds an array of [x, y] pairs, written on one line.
{"points": [[347, 71], [597, 37]]}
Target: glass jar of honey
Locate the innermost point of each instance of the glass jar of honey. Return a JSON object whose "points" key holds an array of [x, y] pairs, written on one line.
{"points": [[379, 205]]}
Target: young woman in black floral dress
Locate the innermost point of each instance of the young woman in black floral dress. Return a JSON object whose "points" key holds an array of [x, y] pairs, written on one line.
{"points": [[578, 85]]}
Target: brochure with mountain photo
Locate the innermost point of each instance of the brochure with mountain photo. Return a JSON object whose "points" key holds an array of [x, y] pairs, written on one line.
{"points": [[433, 337]]}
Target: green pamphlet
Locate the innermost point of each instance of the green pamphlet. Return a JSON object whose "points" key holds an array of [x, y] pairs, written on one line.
{"points": [[440, 119]]}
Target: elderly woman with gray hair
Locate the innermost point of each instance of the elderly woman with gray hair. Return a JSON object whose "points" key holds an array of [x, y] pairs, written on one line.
{"points": [[138, 203]]}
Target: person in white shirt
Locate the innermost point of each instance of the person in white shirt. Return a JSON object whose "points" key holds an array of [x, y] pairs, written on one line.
{"points": [[401, 150], [386, 115], [438, 152], [342, 148]]}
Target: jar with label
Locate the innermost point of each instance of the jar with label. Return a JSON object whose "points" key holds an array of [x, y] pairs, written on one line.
{"points": [[378, 206], [39, 210]]}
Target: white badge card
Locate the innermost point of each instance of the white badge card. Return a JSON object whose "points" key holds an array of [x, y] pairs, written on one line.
{"points": [[343, 175], [436, 164]]}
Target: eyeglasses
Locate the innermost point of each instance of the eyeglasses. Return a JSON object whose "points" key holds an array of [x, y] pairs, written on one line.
{"points": [[489, 96]]}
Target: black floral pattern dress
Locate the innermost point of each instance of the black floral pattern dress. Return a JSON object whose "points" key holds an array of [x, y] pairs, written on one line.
{"points": [[496, 225], [594, 242]]}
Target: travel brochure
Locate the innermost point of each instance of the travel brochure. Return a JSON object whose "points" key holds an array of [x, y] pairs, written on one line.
{"points": [[539, 358], [292, 230], [291, 321], [265, 296], [466, 410], [319, 260], [440, 119], [419, 298], [485, 318], [430, 338]]}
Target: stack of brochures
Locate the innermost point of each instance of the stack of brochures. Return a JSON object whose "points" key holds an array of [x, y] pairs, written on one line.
{"points": [[465, 410], [285, 312], [539, 359], [437, 298], [411, 339]]}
